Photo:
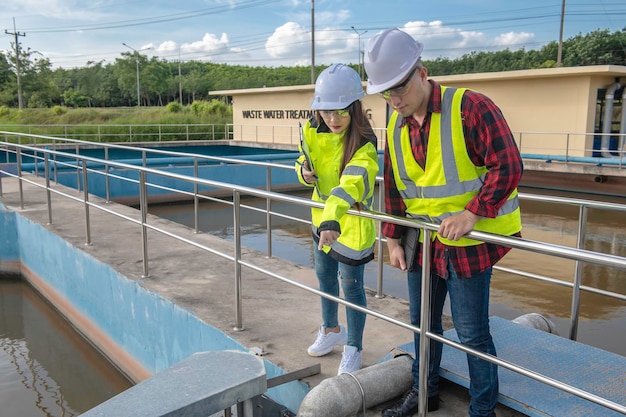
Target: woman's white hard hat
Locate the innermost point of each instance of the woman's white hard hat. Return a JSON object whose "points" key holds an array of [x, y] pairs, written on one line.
{"points": [[336, 88], [390, 56]]}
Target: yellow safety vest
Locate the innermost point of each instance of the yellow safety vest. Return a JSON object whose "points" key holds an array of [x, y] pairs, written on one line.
{"points": [[339, 191], [450, 179]]}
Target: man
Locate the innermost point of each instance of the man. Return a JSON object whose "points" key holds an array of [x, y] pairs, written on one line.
{"points": [[450, 159]]}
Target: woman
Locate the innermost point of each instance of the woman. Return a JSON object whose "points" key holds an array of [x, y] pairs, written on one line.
{"points": [[339, 161]]}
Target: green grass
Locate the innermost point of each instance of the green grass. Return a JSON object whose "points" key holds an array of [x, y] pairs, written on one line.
{"points": [[102, 124], [143, 115]]}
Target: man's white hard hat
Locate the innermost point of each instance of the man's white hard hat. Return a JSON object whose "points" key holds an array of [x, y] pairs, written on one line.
{"points": [[389, 57]]}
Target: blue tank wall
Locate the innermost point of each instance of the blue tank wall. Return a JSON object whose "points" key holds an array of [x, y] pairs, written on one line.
{"points": [[124, 190], [154, 331]]}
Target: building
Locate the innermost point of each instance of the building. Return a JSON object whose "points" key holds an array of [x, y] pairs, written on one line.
{"points": [[550, 100], [572, 115]]}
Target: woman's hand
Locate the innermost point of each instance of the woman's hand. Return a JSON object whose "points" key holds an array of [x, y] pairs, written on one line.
{"points": [[309, 176], [328, 237]]}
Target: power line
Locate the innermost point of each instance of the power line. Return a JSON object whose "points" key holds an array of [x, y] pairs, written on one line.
{"points": [[252, 43], [157, 19]]}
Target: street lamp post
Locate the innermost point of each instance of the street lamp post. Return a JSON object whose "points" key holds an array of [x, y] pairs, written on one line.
{"points": [[137, 64], [359, 35]]}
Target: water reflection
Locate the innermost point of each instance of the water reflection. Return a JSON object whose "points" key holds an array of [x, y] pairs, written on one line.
{"points": [[602, 320], [46, 368]]}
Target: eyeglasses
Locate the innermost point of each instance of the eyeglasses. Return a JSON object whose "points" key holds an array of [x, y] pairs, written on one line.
{"points": [[337, 113], [401, 89]]}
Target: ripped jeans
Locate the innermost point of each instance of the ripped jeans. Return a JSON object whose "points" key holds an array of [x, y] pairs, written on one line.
{"points": [[329, 273]]}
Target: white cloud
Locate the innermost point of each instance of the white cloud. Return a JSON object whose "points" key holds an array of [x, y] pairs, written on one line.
{"points": [[167, 47], [209, 44], [287, 41], [514, 40], [440, 40]]}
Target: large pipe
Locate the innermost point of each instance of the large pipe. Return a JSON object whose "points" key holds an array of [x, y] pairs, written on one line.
{"points": [[536, 321], [609, 98], [349, 394]]}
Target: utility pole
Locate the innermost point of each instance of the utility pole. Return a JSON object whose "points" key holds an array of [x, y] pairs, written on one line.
{"points": [[312, 41], [137, 63], [359, 35], [20, 95], [560, 51], [180, 81]]}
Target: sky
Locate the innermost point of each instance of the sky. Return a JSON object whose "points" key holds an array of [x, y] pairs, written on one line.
{"points": [[272, 33]]}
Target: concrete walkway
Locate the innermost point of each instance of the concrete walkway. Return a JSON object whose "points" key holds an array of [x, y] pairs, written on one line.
{"points": [[279, 319]]}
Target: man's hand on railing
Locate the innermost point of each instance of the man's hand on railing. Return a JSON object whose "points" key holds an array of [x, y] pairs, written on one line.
{"points": [[396, 253]]}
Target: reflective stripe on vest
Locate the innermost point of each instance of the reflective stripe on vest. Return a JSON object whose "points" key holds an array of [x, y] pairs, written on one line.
{"points": [[346, 251]]}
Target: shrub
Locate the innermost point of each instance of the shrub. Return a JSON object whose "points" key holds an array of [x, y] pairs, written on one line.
{"points": [[174, 107], [59, 110], [213, 107], [4, 111]]}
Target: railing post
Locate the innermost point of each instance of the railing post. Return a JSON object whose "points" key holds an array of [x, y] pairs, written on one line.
{"points": [[622, 144], [77, 170], [19, 176], [107, 185], [196, 201], [143, 205], [86, 202], [47, 174], [36, 163], [567, 147], [582, 222], [379, 286], [424, 348], [237, 241], [268, 209], [54, 161]]}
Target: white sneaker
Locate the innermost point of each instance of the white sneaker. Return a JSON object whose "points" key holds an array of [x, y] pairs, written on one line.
{"points": [[326, 342], [351, 360]]}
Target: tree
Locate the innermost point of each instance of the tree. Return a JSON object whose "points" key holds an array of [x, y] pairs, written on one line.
{"points": [[154, 80], [599, 47], [115, 84], [8, 88], [195, 84]]}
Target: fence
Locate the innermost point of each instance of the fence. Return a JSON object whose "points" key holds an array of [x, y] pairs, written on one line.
{"points": [[81, 165]]}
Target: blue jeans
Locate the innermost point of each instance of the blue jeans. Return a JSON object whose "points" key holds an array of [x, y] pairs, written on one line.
{"points": [[329, 273], [469, 304]]}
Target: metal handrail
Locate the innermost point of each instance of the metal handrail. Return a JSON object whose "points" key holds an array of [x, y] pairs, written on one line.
{"points": [[560, 144], [583, 205], [577, 254], [132, 132]]}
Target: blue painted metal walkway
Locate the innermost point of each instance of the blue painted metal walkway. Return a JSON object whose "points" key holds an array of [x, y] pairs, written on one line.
{"points": [[591, 369]]}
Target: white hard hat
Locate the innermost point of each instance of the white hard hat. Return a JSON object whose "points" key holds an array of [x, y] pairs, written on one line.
{"points": [[390, 56], [336, 88]]}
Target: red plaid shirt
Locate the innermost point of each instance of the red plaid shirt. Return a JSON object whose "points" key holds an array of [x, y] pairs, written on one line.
{"points": [[490, 143]]}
